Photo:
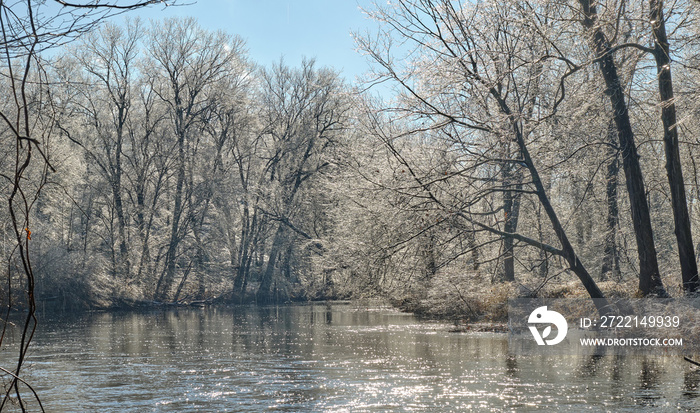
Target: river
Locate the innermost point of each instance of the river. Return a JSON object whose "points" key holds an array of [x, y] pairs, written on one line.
{"points": [[339, 358]]}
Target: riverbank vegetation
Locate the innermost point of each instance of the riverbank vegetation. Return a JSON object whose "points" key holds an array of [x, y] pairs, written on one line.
{"points": [[513, 150]]}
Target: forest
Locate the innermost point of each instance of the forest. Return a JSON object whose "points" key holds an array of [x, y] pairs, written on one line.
{"points": [[497, 149]]}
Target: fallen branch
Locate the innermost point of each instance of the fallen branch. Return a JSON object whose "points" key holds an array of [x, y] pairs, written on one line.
{"points": [[691, 361]]}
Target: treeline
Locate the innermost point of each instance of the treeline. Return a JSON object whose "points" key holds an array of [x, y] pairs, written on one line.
{"points": [[185, 171], [545, 139], [518, 149]]}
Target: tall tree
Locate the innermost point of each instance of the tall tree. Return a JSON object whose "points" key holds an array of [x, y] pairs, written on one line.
{"points": [[186, 63], [303, 111], [108, 59], [649, 277], [681, 218]]}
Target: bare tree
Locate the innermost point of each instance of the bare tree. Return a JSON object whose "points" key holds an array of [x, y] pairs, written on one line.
{"points": [[606, 50], [303, 111], [468, 56], [108, 59], [684, 238], [186, 63]]}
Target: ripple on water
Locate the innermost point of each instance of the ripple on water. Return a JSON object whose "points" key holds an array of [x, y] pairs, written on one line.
{"points": [[326, 358]]}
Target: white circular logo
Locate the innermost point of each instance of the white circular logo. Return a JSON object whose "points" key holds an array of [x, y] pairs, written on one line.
{"points": [[543, 316]]}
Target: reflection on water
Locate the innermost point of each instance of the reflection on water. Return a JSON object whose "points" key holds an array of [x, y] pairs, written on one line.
{"points": [[327, 358], [691, 380]]}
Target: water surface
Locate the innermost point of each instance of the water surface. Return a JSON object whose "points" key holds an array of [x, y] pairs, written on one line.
{"points": [[326, 358]]}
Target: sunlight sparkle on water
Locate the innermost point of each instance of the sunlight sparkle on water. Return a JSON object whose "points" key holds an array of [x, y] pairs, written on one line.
{"points": [[327, 358]]}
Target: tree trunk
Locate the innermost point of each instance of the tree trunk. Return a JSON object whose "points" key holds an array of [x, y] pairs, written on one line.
{"points": [[511, 225], [471, 236], [681, 219], [122, 269], [511, 208], [123, 266], [265, 294], [166, 280], [143, 232], [568, 252], [245, 252], [430, 261], [649, 278], [611, 259]]}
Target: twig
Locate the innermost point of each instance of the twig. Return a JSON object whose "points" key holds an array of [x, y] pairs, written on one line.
{"points": [[691, 361], [36, 396]]}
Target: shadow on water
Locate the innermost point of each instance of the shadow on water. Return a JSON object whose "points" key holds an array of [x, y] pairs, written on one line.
{"points": [[590, 365], [326, 357], [649, 377], [691, 383], [512, 366]]}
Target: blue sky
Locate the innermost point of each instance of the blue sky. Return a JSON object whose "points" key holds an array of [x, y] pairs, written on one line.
{"points": [[289, 28]]}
